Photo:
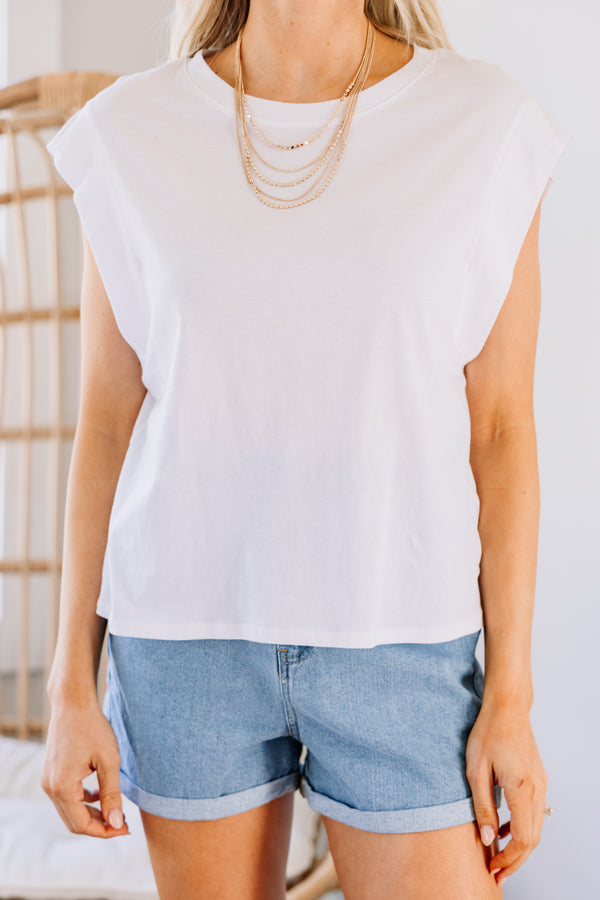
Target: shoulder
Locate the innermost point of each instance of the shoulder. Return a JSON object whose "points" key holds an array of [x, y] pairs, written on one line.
{"points": [[136, 93], [479, 86]]}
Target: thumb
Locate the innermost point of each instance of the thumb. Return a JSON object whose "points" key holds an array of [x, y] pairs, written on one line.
{"points": [[484, 803], [110, 794]]}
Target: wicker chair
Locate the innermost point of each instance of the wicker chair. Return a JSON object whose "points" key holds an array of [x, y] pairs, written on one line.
{"points": [[35, 437]]}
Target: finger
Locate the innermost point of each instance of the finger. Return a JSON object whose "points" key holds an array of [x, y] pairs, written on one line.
{"points": [[520, 803], [503, 863], [482, 788], [109, 785], [96, 815], [513, 853], [538, 824], [82, 819], [505, 872], [67, 796]]}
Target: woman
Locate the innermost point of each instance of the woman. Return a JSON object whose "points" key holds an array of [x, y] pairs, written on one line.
{"points": [[304, 474]]}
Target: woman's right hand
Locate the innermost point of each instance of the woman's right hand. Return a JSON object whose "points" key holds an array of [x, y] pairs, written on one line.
{"points": [[80, 741]]}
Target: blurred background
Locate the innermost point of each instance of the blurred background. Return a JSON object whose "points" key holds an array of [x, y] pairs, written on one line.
{"points": [[551, 51]]}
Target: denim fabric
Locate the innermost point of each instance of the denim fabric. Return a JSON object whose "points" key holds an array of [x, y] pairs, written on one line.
{"points": [[373, 737]]}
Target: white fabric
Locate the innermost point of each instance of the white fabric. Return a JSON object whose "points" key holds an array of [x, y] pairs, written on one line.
{"points": [[40, 859], [299, 470]]}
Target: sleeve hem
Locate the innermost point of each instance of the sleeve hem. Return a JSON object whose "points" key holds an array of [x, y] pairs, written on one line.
{"points": [[83, 163], [520, 180]]}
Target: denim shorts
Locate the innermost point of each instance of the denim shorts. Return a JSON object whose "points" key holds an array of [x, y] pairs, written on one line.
{"points": [[373, 737]]}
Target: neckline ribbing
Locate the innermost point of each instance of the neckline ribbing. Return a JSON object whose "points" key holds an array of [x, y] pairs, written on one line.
{"points": [[205, 79]]}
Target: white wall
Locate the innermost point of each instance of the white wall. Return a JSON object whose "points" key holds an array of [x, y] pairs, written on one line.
{"points": [[551, 49], [113, 35], [32, 50]]}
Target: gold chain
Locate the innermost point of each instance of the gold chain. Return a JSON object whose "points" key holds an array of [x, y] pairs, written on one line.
{"points": [[337, 142], [320, 159], [302, 143]]}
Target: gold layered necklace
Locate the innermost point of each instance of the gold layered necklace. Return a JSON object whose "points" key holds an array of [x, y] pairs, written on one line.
{"points": [[325, 165]]}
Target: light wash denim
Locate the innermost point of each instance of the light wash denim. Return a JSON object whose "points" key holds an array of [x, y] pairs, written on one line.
{"points": [[209, 728]]}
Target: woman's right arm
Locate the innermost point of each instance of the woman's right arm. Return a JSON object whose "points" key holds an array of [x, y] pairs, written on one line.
{"points": [[80, 739]]}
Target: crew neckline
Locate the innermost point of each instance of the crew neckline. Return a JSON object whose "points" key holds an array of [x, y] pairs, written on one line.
{"points": [[206, 80]]}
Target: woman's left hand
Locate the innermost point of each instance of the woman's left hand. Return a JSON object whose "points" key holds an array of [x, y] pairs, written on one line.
{"points": [[501, 749]]}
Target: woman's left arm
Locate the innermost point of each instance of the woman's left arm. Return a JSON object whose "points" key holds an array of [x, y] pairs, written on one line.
{"points": [[501, 746]]}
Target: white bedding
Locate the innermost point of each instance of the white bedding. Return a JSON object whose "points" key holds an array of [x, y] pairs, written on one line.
{"points": [[40, 859]]}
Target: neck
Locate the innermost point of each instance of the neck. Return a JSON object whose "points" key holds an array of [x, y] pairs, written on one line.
{"points": [[309, 49]]}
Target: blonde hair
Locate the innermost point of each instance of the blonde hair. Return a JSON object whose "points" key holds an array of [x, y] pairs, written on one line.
{"points": [[214, 24]]}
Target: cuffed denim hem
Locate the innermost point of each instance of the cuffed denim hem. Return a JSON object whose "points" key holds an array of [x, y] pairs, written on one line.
{"points": [[395, 821], [217, 808]]}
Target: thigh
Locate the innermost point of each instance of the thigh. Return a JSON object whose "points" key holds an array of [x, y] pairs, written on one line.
{"points": [[386, 731], [447, 863], [238, 857]]}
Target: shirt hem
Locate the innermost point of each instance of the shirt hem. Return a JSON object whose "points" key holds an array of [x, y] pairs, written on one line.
{"points": [[291, 635]]}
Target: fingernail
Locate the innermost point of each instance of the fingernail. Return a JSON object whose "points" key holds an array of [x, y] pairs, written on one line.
{"points": [[487, 834], [115, 818], [502, 880], [493, 872]]}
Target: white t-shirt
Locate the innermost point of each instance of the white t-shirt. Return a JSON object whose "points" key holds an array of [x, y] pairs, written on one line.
{"points": [[299, 470]]}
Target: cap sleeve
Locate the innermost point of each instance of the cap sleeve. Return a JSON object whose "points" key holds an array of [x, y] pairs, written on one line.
{"points": [[520, 179], [80, 157]]}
